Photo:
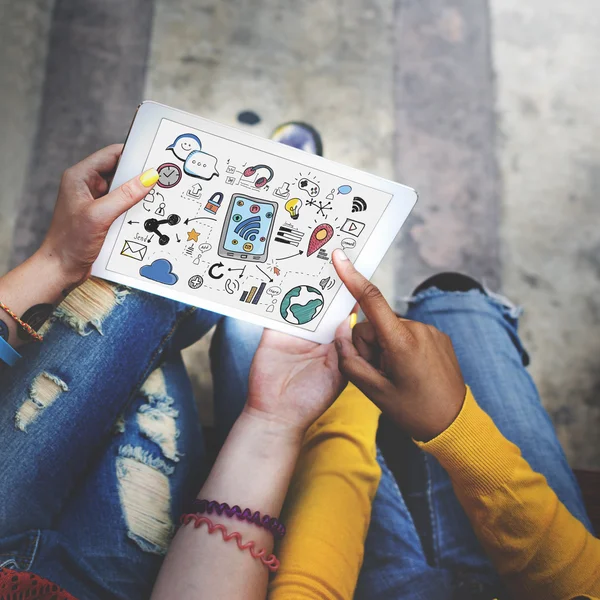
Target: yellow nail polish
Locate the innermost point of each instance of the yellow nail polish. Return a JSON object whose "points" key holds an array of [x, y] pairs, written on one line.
{"points": [[149, 177], [353, 319]]}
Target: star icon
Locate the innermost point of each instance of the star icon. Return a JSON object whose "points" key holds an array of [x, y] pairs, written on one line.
{"points": [[192, 236]]}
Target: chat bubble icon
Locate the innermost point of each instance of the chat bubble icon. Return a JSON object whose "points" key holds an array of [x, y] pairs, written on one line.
{"points": [[344, 189], [184, 145], [348, 243], [204, 247], [274, 290], [201, 165]]}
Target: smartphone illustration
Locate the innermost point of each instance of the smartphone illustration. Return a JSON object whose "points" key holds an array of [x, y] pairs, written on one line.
{"points": [[248, 228]]}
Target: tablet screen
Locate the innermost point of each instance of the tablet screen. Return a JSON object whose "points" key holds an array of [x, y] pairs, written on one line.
{"points": [[243, 227]]}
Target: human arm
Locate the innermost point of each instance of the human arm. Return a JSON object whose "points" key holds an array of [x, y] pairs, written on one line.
{"points": [[328, 509], [292, 382], [410, 371], [82, 216]]}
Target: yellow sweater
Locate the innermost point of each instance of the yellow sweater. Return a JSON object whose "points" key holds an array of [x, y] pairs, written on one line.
{"points": [[540, 550]]}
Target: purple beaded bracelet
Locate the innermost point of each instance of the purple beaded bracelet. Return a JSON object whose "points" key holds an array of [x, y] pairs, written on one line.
{"points": [[272, 524]]}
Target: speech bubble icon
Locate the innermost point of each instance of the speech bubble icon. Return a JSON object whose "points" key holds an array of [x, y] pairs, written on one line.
{"points": [[348, 244], [344, 189], [274, 290], [202, 165], [204, 247], [184, 145]]}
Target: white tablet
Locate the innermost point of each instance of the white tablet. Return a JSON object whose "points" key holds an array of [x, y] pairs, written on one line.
{"points": [[244, 226]]}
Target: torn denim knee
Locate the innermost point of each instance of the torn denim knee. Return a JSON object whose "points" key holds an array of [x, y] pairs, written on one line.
{"points": [[43, 392], [145, 496], [87, 307], [156, 418]]}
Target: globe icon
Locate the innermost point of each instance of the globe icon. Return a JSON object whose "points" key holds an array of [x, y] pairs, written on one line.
{"points": [[301, 305]]}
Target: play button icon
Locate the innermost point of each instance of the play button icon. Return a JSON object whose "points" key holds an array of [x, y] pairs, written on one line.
{"points": [[353, 227]]}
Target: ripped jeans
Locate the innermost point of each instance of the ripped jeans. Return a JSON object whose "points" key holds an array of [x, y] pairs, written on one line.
{"points": [[99, 438], [100, 446]]}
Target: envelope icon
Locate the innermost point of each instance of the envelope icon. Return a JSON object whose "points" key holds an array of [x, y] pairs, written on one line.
{"points": [[134, 250]]}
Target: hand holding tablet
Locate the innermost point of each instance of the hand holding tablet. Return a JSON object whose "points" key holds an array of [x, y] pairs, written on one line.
{"points": [[245, 226]]}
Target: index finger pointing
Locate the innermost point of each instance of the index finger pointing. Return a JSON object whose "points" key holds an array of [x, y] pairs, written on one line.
{"points": [[371, 300]]}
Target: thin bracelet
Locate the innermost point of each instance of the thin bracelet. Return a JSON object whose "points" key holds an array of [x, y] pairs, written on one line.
{"points": [[32, 332], [271, 524], [270, 561], [7, 353]]}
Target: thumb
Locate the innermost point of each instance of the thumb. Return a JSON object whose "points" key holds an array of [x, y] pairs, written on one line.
{"points": [[121, 199]]}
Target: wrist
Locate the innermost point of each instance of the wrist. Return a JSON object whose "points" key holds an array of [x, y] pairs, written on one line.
{"points": [[272, 427], [54, 268]]}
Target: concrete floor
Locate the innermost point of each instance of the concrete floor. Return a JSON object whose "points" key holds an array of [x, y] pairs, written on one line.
{"points": [[489, 109]]}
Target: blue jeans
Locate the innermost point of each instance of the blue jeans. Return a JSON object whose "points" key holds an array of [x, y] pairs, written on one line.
{"points": [[100, 444], [420, 543], [101, 449]]}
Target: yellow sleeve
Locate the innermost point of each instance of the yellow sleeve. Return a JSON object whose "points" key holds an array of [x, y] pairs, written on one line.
{"points": [[537, 546], [329, 503]]}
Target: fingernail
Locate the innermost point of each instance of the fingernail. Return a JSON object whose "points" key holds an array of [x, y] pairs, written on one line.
{"points": [[149, 177], [341, 254], [353, 319]]}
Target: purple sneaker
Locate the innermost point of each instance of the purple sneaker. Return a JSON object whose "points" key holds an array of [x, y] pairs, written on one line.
{"points": [[299, 135]]}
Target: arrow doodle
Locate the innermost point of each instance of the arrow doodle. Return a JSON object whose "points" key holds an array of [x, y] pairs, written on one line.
{"points": [[265, 274], [291, 255]]}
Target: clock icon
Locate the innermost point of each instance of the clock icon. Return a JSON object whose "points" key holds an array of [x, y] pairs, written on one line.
{"points": [[169, 175]]}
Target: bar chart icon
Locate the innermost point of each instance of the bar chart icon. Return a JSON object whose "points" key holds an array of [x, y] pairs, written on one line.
{"points": [[252, 296]]}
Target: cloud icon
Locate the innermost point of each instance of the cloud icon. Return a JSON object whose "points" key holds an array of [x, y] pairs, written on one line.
{"points": [[160, 270]]}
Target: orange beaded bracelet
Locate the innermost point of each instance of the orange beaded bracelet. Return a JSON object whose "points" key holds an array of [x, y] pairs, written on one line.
{"points": [[34, 334]]}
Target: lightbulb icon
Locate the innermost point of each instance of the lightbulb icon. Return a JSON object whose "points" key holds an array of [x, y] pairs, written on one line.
{"points": [[293, 206]]}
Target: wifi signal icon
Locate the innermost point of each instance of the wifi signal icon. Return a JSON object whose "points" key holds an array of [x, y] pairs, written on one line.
{"points": [[358, 204], [249, 228]]}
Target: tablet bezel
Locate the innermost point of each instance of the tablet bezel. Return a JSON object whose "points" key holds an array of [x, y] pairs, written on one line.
{"points": [[139, 141]]}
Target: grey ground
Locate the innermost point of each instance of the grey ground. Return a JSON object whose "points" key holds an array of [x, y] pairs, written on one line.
{"points": [[488, 108]]}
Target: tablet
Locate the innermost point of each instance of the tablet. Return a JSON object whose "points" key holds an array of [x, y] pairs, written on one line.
{"points": [[245, 226]]}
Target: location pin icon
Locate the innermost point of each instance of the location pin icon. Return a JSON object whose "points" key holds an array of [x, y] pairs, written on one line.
{"points": [[319, 237]]}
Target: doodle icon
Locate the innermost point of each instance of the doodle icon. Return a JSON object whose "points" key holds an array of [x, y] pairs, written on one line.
{"points": [[195, 191], [358, 204], [293, 206], [161, 271], [152, 225], [352, 227], [134, 250], [348, 243], [282, 192], [184, 145], [261, 181], [344, 189], [195, 282], [169, 175], [301, 305], [232, 286], [308, 186], [319, 237], [202, 165], [330, 196], [253, 295], [327, 283], [160, 211], [214, 202], [192, 235]]}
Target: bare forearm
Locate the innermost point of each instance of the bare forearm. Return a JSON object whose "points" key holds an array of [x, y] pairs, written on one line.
{"points": [[39, 284], [253, 470]]}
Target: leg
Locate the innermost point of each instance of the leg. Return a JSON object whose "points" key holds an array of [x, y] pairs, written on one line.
{"points": [[395, 565], [110, 539], [59, 403], [484, 334]]}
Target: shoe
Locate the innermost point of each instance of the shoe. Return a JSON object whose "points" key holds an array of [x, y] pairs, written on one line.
{"points": [[450, 282], [299, 135]]}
